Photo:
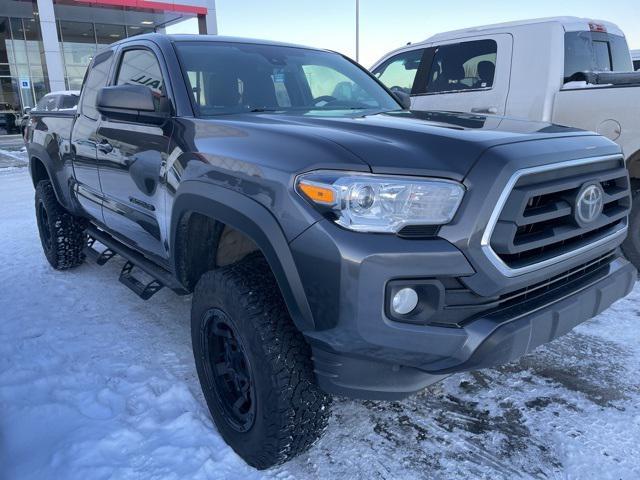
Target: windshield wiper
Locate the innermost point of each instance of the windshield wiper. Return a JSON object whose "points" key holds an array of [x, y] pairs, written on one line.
{"points": [[260, 110]]}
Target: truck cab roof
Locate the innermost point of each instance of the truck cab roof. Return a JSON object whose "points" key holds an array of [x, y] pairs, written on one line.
{"points": [[568, 24], [210, 38]]}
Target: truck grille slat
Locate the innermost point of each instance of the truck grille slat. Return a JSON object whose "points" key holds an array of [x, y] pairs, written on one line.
{"points": [[538, 221]]}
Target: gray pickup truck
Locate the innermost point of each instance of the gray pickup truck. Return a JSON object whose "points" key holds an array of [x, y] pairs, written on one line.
{"points": [[334, 242]]}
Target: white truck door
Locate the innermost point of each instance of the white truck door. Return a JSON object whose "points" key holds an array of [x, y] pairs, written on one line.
{"points": [[465, 75]]}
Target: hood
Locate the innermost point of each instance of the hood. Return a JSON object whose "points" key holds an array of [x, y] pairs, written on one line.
{"points": [[440, 144]]}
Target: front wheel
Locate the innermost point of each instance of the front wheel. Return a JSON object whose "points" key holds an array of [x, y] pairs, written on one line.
{"points": [[254, 366]]}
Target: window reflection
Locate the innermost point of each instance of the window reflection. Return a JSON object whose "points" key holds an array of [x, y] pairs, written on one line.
{"points": [[78, 48], [81, 40], [21, 61]]}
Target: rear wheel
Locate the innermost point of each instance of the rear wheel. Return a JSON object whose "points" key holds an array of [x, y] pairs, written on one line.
{"points": [[61, 233], [254, 366]]}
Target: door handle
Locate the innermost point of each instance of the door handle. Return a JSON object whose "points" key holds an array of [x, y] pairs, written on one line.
{"points": [[105, 147], [490, 110]]}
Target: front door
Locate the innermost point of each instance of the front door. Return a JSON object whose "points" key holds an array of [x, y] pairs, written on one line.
{"points": [[132, 157]]}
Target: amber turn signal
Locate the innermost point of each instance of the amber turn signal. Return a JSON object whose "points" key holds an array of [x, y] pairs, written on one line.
{"points": [[317, 194]]}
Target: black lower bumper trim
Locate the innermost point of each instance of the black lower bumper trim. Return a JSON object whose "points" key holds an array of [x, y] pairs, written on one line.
{"points": [[510, 340], [490, 341]]}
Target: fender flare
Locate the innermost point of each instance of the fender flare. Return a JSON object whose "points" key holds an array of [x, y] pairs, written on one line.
{"points": [[633, 165], [254, 220], [39, 153]]}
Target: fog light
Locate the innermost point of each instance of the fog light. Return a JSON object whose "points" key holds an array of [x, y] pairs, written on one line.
{"points": [[404, 301]]}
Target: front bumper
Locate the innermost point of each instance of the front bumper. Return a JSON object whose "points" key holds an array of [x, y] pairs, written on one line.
{"points": [[358, 351]]}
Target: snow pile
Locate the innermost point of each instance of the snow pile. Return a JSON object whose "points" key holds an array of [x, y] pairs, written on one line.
{"points": [[96, 383]]}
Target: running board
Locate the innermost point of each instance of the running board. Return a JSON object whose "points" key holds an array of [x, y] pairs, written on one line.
{"points": [[99, 257], [160, 276], [144, 291]]}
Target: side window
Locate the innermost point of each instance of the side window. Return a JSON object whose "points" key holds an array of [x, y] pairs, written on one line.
{"points": [[463, 66], [636, 65], [96, 79], [47, 103], [399, 71], [141, 67], [68, 102]]}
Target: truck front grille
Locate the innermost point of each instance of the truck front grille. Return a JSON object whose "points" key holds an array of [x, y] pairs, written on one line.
{"points": [[538, 219]]}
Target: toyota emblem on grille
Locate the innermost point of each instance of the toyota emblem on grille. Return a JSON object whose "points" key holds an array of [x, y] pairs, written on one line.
{"points": [[589, 203]]}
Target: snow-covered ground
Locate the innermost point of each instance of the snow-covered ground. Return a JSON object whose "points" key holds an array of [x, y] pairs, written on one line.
{"points": [[13, 153], [97, 384]]}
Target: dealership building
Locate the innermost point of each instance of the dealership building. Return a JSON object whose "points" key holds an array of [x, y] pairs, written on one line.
{"points": [[46, 45]]}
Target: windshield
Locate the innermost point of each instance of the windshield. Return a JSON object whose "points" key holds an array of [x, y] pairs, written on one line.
{"points": [[595, 52], [237, 77]]}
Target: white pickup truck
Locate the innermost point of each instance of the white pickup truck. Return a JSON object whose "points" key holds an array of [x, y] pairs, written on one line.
{"points": [[562, 70]]}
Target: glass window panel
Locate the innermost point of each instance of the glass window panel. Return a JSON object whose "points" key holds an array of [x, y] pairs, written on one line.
{"points": [[463, 66], [133, 30], [594, 51], [39, 87], [19, 45], [244, 77], [47, 104], [140, 67], [5, 40], [35, 50], [601, 56], [96, 79], [620, 54], [20, 70], [78, 46], [399, 72], [9, 94], [107, 34], [68, 102], [74, 83]]}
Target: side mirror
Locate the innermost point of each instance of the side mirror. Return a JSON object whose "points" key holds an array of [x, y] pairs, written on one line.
{"points": [[132, 103], [26, 110], [403, 98]]}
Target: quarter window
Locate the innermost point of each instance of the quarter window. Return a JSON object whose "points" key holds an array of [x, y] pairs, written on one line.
{"points": [[399, 72], [95, 80], [463, 66]]}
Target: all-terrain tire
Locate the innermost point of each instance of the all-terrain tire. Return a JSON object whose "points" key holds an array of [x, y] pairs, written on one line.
{"points": [[290, 411], [61, 233], [631, 244]]}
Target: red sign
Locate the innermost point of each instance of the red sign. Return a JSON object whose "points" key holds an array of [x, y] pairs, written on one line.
{"points": [[166, 7]]}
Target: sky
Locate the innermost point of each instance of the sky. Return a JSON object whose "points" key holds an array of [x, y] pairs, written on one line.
{"points": [[389, 24]]}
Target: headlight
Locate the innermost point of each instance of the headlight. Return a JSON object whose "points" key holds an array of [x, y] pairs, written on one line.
{"points": [[377, 203]]}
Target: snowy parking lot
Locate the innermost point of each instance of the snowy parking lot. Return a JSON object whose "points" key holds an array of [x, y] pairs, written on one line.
{"points": [[96, 383]]}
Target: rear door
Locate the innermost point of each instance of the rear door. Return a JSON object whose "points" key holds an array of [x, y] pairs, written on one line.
{"points": [[84, 139], [132, 157], [465, 75]]}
